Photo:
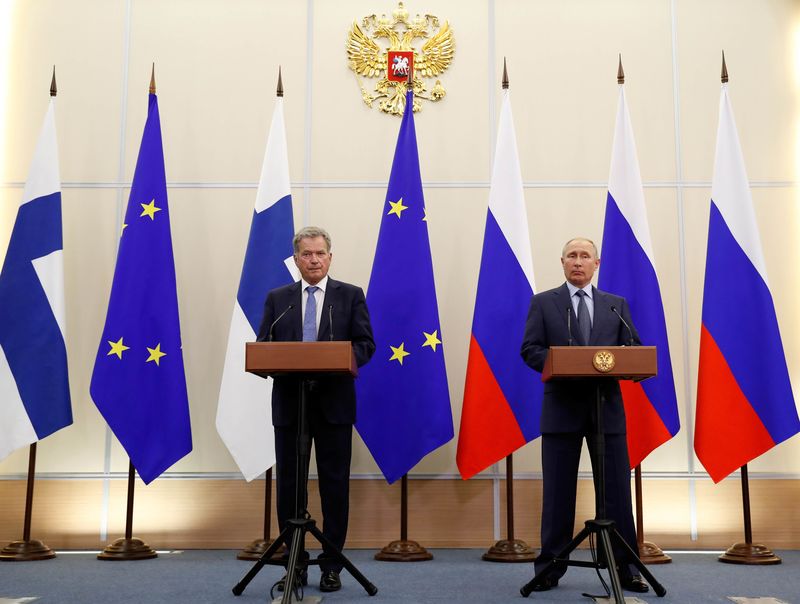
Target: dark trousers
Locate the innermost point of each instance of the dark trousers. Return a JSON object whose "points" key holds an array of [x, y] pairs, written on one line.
{"points": [[560, 459], [332, 448]]}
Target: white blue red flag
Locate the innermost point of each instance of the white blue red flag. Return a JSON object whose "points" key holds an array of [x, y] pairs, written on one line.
{"points": [[502, 399], [629, 270], [745, 404], [244, 421], [34, 385]]}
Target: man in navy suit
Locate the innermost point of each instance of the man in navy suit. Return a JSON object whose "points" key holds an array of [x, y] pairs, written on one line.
{"points": [[579, 314], [317, 308]]}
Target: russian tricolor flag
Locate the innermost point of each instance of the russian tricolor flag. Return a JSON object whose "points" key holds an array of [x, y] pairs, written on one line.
{"points": [[745, 404], [244, 421], [502, 398], [628, 269], [34, 384]]}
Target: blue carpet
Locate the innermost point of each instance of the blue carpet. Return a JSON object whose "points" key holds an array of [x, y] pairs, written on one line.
{"points": [[207, 576]]}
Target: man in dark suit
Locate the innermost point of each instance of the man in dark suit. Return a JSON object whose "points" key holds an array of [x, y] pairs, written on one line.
{"points": [[317, 308], [579, 314]]}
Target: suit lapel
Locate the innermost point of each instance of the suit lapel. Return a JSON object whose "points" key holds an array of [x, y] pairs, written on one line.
{"points": [[564, 307], [296, 314]]}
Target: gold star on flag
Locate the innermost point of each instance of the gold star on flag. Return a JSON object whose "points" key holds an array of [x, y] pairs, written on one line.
{"points": [[398, 354], [149, 209], [117, 348], [397, 207], [124, 226], [431, 339], [424, 214], [155, 354]]}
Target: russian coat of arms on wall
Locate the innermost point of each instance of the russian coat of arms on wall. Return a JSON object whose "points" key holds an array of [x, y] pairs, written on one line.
{"points": [[383, 48]]}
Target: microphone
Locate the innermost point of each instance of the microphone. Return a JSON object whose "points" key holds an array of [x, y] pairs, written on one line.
{"points": [[330, 319], [625, 323], [280, 316], [569, 323]]}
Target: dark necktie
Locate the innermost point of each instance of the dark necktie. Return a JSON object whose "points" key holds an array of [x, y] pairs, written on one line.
{"points": [[584, 321], [310, 318]]}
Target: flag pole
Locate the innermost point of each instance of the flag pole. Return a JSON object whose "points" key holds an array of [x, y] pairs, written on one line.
{"points": [[404, 550], [256, 549], [27, 549], [129, 547], [509, 549], [747, 552]]}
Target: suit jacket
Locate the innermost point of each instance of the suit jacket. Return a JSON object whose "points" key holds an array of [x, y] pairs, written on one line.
{"points": [[569, 405], [345, 304]]}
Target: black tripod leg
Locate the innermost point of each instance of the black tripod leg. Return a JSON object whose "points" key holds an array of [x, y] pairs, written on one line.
{"points": [[280, 540], [616, 586], [293, 569], [341, 558], [562, 556], [634, 559]]}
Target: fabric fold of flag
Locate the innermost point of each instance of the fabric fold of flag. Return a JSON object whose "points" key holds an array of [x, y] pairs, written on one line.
{"points": [[745, 404], [502, 397], [244, 421], [403, 400], [629, 270], [138, 382], [34, 382]]}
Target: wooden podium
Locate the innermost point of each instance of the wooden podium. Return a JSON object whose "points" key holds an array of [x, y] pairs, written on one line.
{"points": [[599, 363], [635, 363], [306, 361]]}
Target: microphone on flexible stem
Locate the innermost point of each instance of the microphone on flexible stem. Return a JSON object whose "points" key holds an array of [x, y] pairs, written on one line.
{"points": [[280, 316], [569, 324], [625, 323], [330, 319]]}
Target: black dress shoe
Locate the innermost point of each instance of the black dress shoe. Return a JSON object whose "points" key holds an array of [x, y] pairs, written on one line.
{"points": [[301, 578], [547, 584], [634, 583], [330, 581]]}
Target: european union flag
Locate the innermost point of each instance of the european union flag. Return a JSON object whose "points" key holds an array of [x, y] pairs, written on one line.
{"points": [[403, 401], [138, 383]]}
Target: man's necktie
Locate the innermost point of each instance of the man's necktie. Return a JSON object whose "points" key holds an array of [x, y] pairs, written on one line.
{"points": [[310, 318], [584, 321]]}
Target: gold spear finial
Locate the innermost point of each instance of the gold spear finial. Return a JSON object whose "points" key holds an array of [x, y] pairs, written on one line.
{"points": [[53, 87], [280, 83], [724, 77], [620, 72], [153, 79], [505, 75]]}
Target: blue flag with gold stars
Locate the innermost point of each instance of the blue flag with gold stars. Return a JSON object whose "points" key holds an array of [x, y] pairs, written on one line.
{"points": [[403, 401], [138, 383]]}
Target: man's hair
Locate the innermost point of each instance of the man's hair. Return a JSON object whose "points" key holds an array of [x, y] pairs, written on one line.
{"points": [[574, 239], [310, 232]]}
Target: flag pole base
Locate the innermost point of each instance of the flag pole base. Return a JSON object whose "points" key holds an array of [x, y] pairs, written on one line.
{"points": [[21, 551], [404, 551], [650, 553], [749, 553], [256, 549], [510, 550], [127, 549]]}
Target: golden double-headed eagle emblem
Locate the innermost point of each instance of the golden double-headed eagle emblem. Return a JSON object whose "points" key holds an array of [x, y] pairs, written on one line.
{"points": [[382, 47]]}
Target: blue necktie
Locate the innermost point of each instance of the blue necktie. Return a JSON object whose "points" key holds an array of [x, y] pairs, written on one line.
{"points": [[584, 321], [310, 318]]}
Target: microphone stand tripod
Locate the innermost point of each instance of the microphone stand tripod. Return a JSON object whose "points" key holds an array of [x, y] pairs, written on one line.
{"points": [[295, 532], [603, 528]]}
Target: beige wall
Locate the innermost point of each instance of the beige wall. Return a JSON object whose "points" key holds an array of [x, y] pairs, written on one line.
{"points": [[216, 65]]}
